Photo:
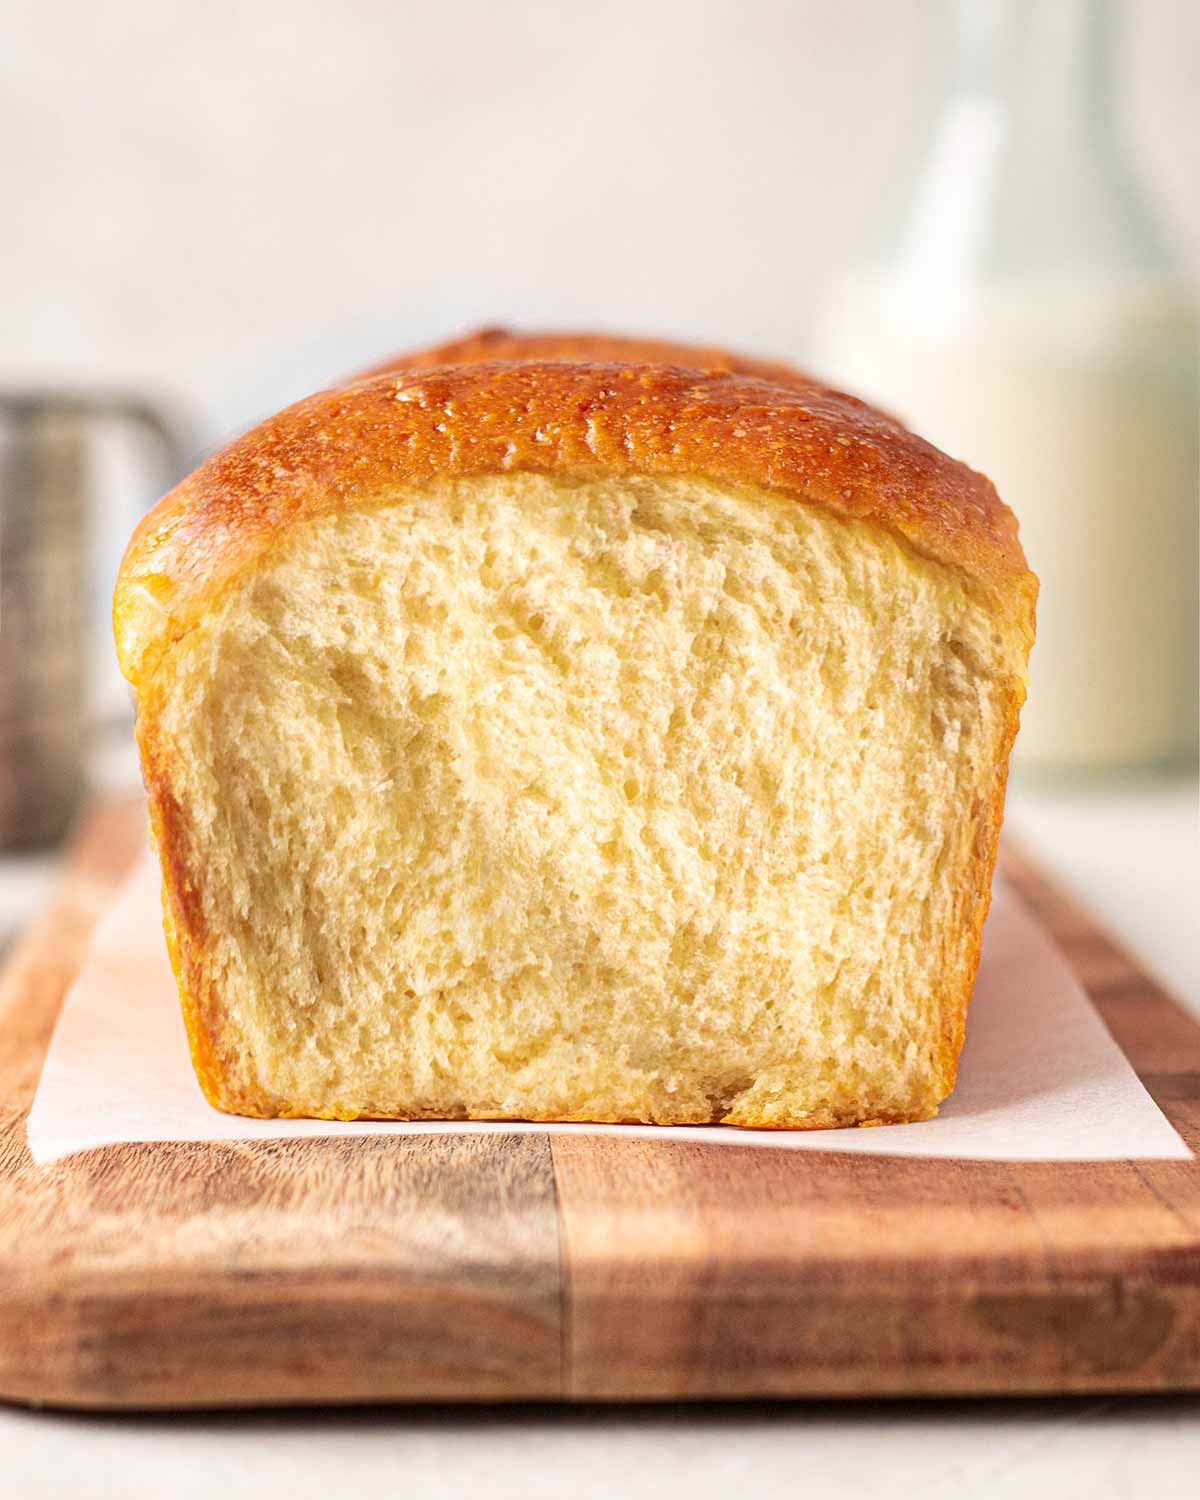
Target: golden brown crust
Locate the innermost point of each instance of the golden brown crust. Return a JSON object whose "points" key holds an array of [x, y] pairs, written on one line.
{"points": [[483, 345], [354, 447]]}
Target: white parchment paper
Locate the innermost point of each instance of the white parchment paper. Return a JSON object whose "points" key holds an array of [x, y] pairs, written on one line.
{"points": [[1040, 1077]]}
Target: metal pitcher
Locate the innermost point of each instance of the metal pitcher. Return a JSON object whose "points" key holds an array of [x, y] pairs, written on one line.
{"points": [[47, 575]]}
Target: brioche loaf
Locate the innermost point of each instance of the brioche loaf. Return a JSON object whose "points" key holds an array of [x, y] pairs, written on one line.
{"points": [[592, 732]]}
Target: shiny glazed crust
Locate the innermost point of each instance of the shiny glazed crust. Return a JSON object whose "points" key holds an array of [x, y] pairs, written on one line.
{"points": [[353, 447], [567, 413]]}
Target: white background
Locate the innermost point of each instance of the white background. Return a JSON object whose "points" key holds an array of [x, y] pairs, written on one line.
{"points": [[238, 201]]}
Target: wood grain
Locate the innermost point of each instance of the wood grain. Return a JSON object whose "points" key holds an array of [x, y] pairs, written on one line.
{"points": [[704, 1272], [430, 1268]]}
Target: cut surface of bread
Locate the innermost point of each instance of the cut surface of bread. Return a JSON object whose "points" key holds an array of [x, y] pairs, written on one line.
{"points": [[616, 795]]}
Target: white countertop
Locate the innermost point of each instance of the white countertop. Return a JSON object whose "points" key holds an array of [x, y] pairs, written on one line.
{"points": [[981, 1451], [1131, 853]]}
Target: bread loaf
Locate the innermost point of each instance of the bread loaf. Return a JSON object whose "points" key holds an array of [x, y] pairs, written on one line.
{"points": [[596, 732]]}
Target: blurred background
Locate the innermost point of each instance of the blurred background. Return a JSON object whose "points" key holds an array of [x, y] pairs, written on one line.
{"points": [[236, 202], [984, 214]]}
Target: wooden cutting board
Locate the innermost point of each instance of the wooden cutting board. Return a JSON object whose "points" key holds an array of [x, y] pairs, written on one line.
{"points": [[525, 1266]]}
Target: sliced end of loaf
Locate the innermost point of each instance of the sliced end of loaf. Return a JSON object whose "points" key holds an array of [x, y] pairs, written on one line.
{"points": [[634, 799]]}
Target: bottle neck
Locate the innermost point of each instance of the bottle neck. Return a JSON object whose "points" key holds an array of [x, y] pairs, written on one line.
{"points": [[1047, 64], [1022, 181]]}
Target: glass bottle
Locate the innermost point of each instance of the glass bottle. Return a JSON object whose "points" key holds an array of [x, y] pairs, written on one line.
{"points": [[1028, 319]]}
